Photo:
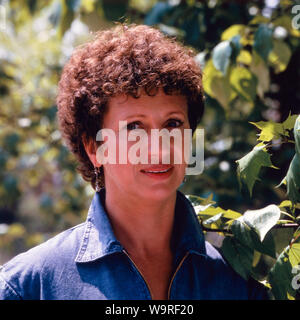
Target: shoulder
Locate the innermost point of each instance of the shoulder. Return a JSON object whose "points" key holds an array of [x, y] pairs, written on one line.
{"points": [[225, 275], [20, 278], [217, 263]]}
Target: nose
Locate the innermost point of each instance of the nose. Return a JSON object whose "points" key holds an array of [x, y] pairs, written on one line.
{"points": [[160, 148]]}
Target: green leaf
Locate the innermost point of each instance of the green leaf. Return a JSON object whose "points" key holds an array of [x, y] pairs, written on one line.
{"points": [[171, 31], [269, 130], [285, 204], [221, 56], [66, 20], [290, 121], [222, 91], [250, 165], [280, 56], [242, 232], [196, 200], [231, 214], [236, 46], [251, 229], [200, 204], [256, 258], [239, 256], [237, 29], [213, 219], [244, 57], [272, 130], [209, 212], [244, 83], [281, 276], [258, 19], [216, 211], [294, 254], [55, 13], [294, 249], [200, 59], [259, 68], [297, 134], [267, 246], [263, 41], [293, 179], [216, 85], [262, 220]]}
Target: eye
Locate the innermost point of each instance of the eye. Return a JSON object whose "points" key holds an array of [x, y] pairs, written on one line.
{"points": [[174, 123], [133, 125]]}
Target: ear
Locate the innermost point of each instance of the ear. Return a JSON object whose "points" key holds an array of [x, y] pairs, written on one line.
{"points": [[90, 148]]}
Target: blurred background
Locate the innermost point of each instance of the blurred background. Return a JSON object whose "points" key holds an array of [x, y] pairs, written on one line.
{"points": [[250, 54]]}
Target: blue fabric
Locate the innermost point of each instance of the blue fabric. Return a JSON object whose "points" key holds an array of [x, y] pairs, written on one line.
{"points": [[88, 262]]}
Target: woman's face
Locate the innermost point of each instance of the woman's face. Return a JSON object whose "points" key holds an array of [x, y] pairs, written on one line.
{"points": [[154, 181]]}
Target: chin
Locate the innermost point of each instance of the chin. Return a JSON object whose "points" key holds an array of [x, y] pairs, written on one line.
{"points": [[158, 192]]}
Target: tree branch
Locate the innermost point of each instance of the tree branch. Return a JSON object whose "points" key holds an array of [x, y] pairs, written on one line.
{"points": [[277, 226]]}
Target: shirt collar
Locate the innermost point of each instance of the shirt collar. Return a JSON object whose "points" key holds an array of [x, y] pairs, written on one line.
{"points": [[187, 233], [99, 240]]}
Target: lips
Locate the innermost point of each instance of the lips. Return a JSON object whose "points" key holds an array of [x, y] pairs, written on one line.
{"points": [[158, 171]]}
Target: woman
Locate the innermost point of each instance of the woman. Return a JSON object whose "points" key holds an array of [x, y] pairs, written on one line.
{"points": [[142, 239]]}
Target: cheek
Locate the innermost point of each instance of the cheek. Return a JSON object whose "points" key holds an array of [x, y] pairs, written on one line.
{"points": [[180, 151], [180, 168], [119, 172], [119, 175]]}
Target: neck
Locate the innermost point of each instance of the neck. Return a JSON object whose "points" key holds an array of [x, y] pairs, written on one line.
{"points": [[141, 225]]}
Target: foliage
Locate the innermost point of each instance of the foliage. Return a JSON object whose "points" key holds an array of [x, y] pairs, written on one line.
{"points": [[37, 172], [250, 56], [248, 236]]}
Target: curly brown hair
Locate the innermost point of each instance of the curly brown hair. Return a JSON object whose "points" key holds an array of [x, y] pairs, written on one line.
{"points": [[125, 59]]}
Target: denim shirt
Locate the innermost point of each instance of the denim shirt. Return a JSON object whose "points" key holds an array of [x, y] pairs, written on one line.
{"points": [[87, 262]]}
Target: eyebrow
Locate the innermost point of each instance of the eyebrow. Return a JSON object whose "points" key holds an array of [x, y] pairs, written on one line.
{"points": [[144, 116]]}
